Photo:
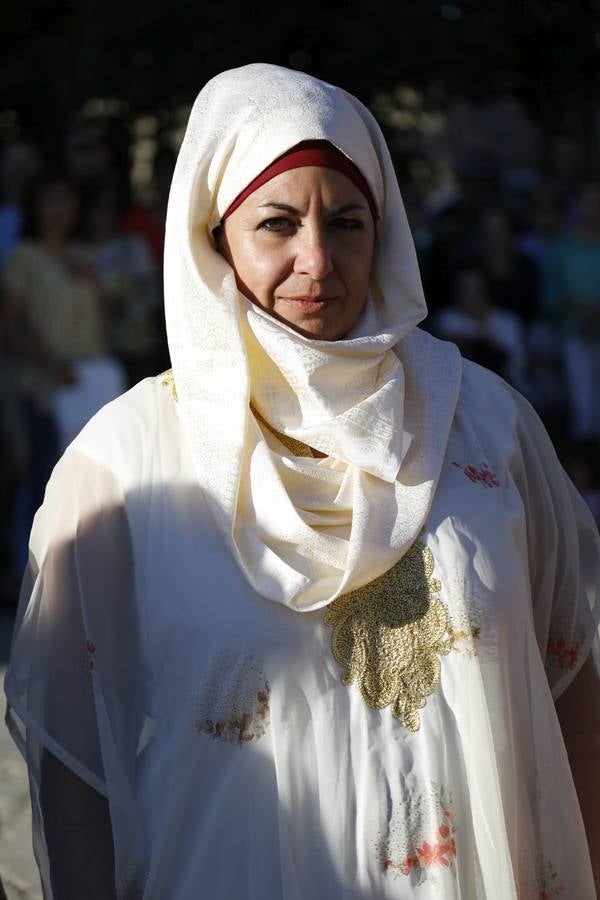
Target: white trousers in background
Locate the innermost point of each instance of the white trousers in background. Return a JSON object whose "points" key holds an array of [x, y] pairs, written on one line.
{"points": [[98, 381]]}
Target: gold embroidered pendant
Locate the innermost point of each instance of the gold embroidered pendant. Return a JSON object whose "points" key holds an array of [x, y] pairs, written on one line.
{"points": [[390, 634]]}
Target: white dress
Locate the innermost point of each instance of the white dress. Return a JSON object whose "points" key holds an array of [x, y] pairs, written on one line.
{"points": [[249, 750]]}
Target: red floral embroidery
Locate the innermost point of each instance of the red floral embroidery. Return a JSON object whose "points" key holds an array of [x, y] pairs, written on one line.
{"points": [[429, 855], [410, 863], [565, 656], [433, 854], [549, 883], [484, 475], [91, 650]]}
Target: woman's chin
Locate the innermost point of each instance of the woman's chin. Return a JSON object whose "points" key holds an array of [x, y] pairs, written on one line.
{"points": [[320, 324], [317, 320], [316, 328]]}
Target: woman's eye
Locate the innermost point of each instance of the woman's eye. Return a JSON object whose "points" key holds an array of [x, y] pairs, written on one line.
{"points": [[277, 223], [347, 224]]}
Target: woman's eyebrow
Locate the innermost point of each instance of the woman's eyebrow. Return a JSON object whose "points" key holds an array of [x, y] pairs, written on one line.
{"points": [[282, 206], [347, 207]]}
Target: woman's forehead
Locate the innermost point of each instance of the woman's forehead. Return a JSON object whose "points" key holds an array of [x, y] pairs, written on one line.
{"points": [[304, 186]]}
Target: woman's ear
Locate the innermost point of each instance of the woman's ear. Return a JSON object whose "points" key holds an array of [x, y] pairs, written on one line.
{"points": [[221, 244], [217, 234]]}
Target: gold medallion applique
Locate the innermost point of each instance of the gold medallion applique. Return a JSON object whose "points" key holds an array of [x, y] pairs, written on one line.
{"points": [[389, 635]]}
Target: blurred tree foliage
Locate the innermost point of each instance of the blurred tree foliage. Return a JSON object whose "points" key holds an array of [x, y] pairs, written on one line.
{"points": [[155, 55]]}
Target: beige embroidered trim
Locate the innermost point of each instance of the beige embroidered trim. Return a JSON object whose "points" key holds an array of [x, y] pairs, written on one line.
{"points": [[389, 635], [296, 448]]}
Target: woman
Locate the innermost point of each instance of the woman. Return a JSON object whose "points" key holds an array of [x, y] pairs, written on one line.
{"points": [[52, 318], [573, 300], [487, 334], [129, 281], [513, 277], [289, 606]]}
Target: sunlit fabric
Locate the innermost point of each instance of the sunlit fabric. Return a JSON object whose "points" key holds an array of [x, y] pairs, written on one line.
{"points": [[236, 760]]}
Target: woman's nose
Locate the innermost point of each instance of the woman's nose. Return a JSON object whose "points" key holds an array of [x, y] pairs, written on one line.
{"points": [[313, 256]]}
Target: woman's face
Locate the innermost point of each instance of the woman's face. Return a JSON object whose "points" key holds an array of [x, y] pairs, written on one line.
{"points": [[301, 247]]}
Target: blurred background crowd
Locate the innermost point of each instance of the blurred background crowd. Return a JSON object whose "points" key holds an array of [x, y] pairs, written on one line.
{"points": [[501, 187]]}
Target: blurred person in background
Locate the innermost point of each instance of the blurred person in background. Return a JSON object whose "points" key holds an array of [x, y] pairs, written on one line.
{"points": [[54, 327], [480, 188], [20, 162], [484, 333], [148, 221], [448, 250], [545, 369], [96, 149], [129, 279], [583, 465], [542, 225], [572, 298], [567, 161], [512, 276], [14, 457], [418, 219]]}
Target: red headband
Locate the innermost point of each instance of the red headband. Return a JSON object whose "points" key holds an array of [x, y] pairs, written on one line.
{"points": [[309, 153]]}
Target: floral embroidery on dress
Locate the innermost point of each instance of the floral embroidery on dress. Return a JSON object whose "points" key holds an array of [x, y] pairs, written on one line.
{"points": [[563, 655], [549, 884], [167, 379], [463, 640], [245, 727], [89, 660], [464, 630], [389, 636], [484, 475], [425, 845], [466, 612], [235, 704]]}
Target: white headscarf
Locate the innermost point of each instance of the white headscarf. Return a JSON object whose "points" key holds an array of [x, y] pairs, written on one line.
{"points": [[379, 403]]}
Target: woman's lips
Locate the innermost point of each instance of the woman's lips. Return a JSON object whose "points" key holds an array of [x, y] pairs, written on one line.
{"points": [[308, 303]]}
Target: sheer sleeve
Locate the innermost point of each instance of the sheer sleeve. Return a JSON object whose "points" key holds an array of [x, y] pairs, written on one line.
{"points": [[564, 556], [73, 684]]}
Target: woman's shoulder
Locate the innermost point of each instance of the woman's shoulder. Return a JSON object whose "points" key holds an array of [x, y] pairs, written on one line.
{"points": [[124, 434], [503, 420], [481, 385], [483, 395]]}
